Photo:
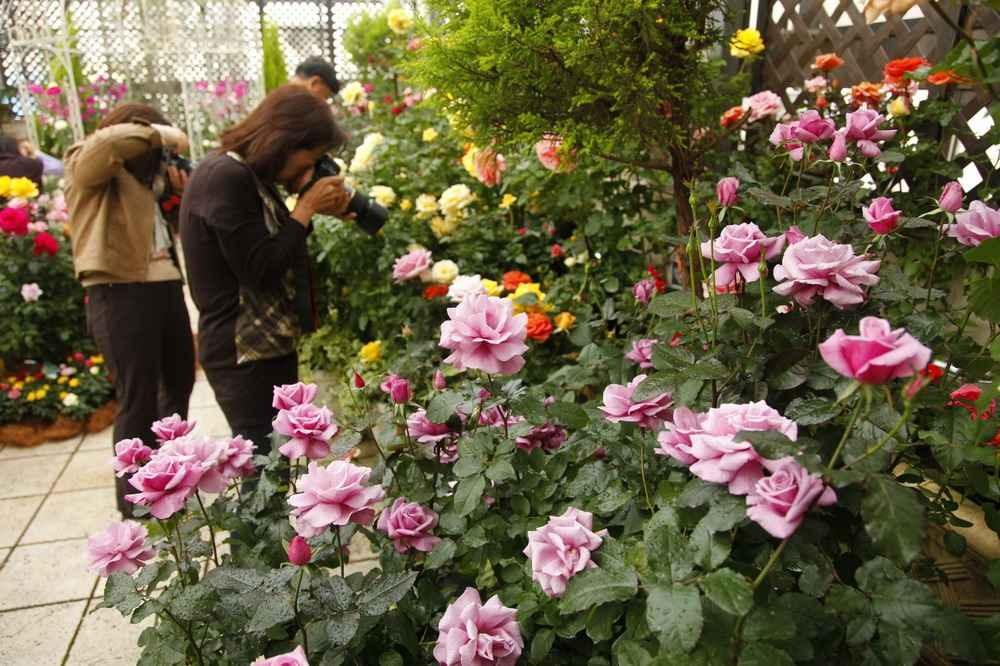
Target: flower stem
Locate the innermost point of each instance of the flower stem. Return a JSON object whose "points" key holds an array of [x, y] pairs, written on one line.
{"points": [[211, 530], [642, 474], [889, 435], [934, 262], [847, 431], [295, 606], [340, 553], [770, 564]]}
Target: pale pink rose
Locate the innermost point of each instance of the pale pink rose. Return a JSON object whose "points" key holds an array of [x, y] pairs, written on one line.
{"points": [[464, 286], [812, 127], [549, 437], [120, 548], [816, 84], [309, 429], [675, 440], [863, 130], [483, 333], [37, 227], [951, 197], [130, 454], [739, 249], [881, 217], [490, 166], [562, 548], [437, 437], [619, 406], [204, 452], [779, 502], [172, 427], [409, 525], [398, 388], [727, 191], [878, 355], [644, 290], [472, 633], [838, 149], [287, 396], [975, 225], [763, 105], [296, 657], [31, 292], [550, 155], [236, 460], [784, 136], [817, 266], [165, 483], [642, 352], [793, 235], [411, 265], [337, 494]]}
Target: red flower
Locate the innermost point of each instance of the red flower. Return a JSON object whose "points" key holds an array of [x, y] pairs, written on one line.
{"points": [[658, 280], [946, 77], [521, 231], [822, 102], [556, 250], [827, 62], [539, 326], [966, 397], [396, 110], [896, 70], [435, 291], [732, 117], [387, 99], [170, 203], [14, 221], [932, 372], [996, 439], [359, 381], [676, 339], [513, 278], [45, 243]]}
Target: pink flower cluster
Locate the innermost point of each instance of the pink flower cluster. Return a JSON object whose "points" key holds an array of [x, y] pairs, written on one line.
{"points": [[562, 548], [739, 249], [619, 405], [483, 333], [816, 266], [548, 437], [409, 525], [122, 547], [411, 265], [308, 428], [472, 633], [878, 355], [795, 135], [978, 224], [863, 129], [337, 494]]}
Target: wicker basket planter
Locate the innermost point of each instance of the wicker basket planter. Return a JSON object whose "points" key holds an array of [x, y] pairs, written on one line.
{"points": [[33, 434]]}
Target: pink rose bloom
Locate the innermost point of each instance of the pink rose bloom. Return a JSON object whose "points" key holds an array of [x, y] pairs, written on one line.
{"points": [[816, 84], [643, 290], [398, 388], [483, 332], [951, 197], [975, 225], [287, 396], [727, 191], [130, 454], [863, 130], [411, 265], [784, 135], [464, 286], [838, 149], [204, 452], [779, 502], [548, 437], [237, 458], [309, 428], [876, 356], [38, 227], [763, 105], [31, 292], [675, 440], [172, 427], [642, 352], [296, 657], [165, 483], [548, 154], [812, 127], [440, 383], [121, 547], [881, 217], [497, 417], [472, 633], [739, 248], [490, 166], [437, 437], [562, 548], [619, 406], [817, 266], [409, 525], [299, 552], [794, 235], [337, 494]]}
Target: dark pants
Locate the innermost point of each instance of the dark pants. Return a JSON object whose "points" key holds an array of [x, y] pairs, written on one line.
{"points": [[144, 333], [245, 393]]}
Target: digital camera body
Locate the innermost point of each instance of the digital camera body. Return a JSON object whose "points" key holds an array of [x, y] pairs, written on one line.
{"points": [[370, 215]]}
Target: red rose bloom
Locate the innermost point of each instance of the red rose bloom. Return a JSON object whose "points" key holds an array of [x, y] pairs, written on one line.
{"points": [[946, 77], [556, 250], [658, 280], [827, 62], [732, 117], [822, 102], [539, 326], [14, 221], [513, 278], [435, 291], [895, 70], [45, 243]]}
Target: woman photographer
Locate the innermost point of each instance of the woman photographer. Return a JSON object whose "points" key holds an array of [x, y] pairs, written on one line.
{"points": [[124, 256], [246, 252]]}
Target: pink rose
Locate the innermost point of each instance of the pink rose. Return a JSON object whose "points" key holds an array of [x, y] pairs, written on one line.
{"points": [[548, 437], [739, 249], [204, 452], [675, 440], [287, 396], [642, 352], [562, 548], [299, 552], [784, 135], [237, 458], [411, 265], [643, 290], [816, 84], [464, 286], [619, 406], [172, 427], [812, 127], [548, 151], [31, 292], [876, 356], [779, 502], [498, 417], [881, 217], [764, 104], [727, 191], [296, 657], [472, 633], [483, 332], [438, 437], [838, 149], [309, 429], [819, 267], [793, 235], [121, 547], [130, 454], [975, 225], [409, 525], [165, 483], [863, 130], [490, 166], [337, 494], [951, 197], [440, 383], [398, 388]]}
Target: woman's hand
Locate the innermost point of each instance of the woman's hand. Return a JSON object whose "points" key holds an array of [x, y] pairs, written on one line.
{"points": [[327, 196], [172, 138], [178, 179]]}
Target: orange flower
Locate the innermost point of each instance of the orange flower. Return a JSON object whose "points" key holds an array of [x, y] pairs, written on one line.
{"points": [[539, 326], [732, 117], [946, 77], [822, 102], [827, 62], [435, 291], [513, 278], [866, 92], [895, 70]]}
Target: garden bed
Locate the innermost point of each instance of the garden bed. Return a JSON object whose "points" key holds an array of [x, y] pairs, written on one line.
{"points": [[28, 434]]}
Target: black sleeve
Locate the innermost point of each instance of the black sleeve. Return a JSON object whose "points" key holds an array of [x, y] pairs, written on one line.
{"points": [[235, 214]]}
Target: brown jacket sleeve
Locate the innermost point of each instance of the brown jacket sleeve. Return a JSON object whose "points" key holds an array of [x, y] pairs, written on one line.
{"points": [[103, 154]]}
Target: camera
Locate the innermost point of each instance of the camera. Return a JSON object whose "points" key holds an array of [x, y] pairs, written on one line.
{"points": [[182, 163], [370, 215]]}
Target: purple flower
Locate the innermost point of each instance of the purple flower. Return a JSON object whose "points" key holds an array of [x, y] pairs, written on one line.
{"points": [[619, 405], [881, 217], [165, 483], [398, 389], [779, 502], [951, 197], [562, 548], [436, 436], [642, 352], [130, 454], [472, 633], [409, 525], [975, 225], [172, 427], [863, 130], [440, 383], [813, 127], [334, 495], [817, 266], [548, 437], [121, 547], [483, 332], [739, 248], [287, 396], [204, 452], [727, 192], [411, 264], [784, 135], [879, 354], [643, 290]]}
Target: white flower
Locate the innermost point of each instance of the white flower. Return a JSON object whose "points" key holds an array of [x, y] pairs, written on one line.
{"points": [[400, 21], [465, 286], [454, 199], [31, 292], [353, 93], [429, 134], [365, 153], [60, 125], [385, 196], [444, 271], [425, 205], [95, 370], [374, 138], [71, 400]]}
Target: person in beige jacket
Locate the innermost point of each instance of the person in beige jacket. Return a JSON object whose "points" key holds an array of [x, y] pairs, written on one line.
{"points": [[125, 257]]}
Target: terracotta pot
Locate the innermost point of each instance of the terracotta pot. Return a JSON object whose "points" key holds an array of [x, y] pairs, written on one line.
{"points": [[102, 417]]}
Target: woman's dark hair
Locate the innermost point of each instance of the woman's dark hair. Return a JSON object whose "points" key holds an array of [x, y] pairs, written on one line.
{"points": [[288, 119], [133, 112], [8, 145]]}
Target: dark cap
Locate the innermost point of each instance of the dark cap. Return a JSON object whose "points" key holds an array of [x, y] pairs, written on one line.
{"points": [[317, 66]]}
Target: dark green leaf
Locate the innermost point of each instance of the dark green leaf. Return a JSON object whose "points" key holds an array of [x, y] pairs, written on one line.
{"points": [[653, 386], [812, 411], [674, 613], [334, 593], [469, 494], [769, 624], [769, 198], [729, 590], [667, 547], [541, 644], [273, 609], [501, 470], [601, 621], [762, 654], [631, 653], [569, 414], [191, 602], [340, 629], [443, 406], [791, 377], [670, 305], [984, 298], [385, 591], [988, 252], [894, 518], [441, 555], [598, 586]]}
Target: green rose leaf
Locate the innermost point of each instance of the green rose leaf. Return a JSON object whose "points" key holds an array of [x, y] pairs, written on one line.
{"points": [[729, 590], [469, 494], [378, 596], [598, 586], [674, 613], [894, 518]]}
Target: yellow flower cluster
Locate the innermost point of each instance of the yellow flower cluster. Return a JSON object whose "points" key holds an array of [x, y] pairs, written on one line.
{"points": [[371, 352], [400, 21], [38, 394], [564, 321], [746, 43], [529, 297], [17, 188], [507, 201]]}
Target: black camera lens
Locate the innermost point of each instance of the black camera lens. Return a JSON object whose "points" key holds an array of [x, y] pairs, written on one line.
{"points": [[370, 216]]}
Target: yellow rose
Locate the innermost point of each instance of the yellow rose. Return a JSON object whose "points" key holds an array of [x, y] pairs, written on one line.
{"points": [[62, 380], [371, 352], [564, 321], [528, 297], [492, 287], [19, 385], [97, 360], [4, 187], [23, 188], [62, 394], [442, 226], [508, 201], [73, 383], [31, 397], [426, 205], [899, 107], [745, 43], [400, 21], [444, 271], [385, 196], [469, 160], [454, 200], [405, 205], [353, 93], [430, 134]]}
